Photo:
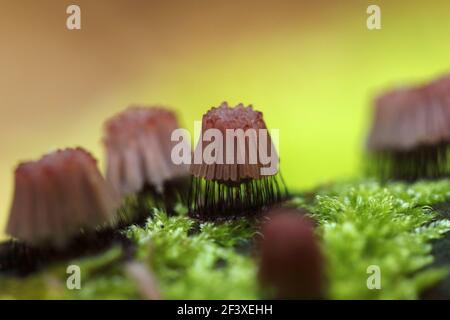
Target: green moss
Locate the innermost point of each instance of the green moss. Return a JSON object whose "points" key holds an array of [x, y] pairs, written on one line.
{"points": [[361, 223], [102, 277], [389, 226], [202, 265]]}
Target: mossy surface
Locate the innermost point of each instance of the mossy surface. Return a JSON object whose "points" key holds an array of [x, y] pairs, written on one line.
{"points": [[360, 223]]}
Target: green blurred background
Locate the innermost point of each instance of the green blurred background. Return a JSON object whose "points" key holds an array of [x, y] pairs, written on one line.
{"points": [[312, 67]]}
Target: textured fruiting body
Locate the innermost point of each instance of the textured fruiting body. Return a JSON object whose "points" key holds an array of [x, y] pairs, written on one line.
{"points": [[291, 261], [230, 165], [138, 154], [410, 134], [57, 196], [138, 147], [226, 118]]}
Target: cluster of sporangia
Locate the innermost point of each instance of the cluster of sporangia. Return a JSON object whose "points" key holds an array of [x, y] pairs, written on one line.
{"points": [[63, 193]]}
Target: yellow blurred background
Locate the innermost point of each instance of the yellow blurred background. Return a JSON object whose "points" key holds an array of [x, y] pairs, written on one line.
{"points": [[312, 67]]}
